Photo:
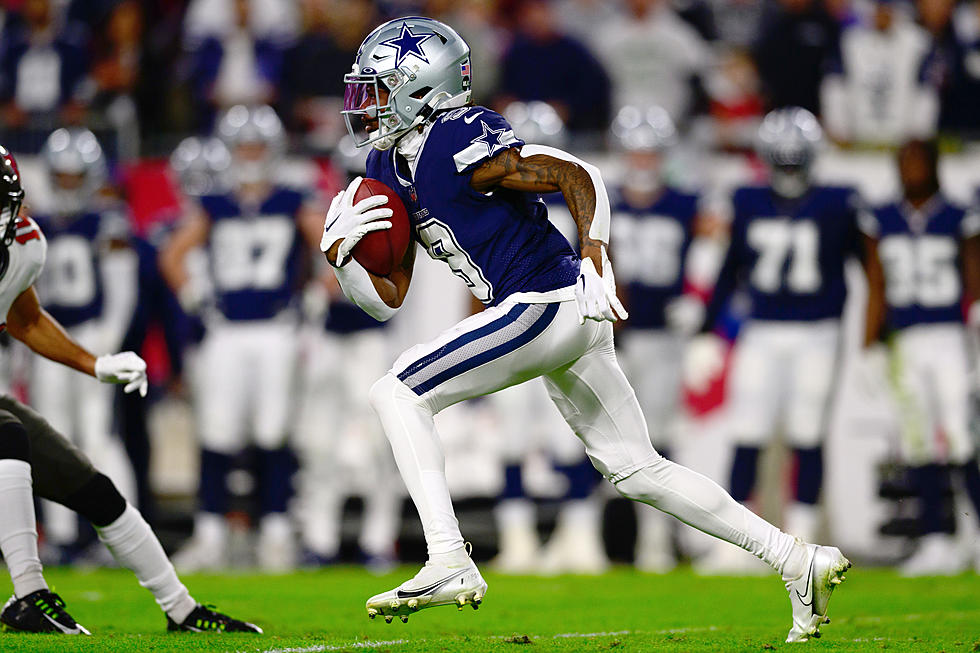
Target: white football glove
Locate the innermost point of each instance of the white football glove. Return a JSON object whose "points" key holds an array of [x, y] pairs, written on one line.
{"points": [[126, 368], [595, 296], [349, 222], [704, 360], [684, 314]]}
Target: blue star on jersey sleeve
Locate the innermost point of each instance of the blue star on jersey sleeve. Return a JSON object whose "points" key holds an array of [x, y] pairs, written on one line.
{"points": [[481, 134]]}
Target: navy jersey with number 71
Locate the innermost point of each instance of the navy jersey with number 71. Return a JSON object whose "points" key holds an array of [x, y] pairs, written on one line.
{"points": [[789, 254], [498, 243]]}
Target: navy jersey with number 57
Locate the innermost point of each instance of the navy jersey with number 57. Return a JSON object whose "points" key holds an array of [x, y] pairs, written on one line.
{"points": [[920, 256], [498, 243], [789, 254], [650, 245], [254, 253]]}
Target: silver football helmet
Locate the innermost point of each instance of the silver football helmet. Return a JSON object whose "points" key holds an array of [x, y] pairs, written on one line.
{"points": [[536, 122], [788, 141], [241, 128], [405, 70], [643, 130], [76, 168], [201, 165]]}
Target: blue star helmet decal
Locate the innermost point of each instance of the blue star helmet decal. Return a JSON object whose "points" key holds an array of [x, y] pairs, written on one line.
{"points": [[407, 43], [490, 138]]}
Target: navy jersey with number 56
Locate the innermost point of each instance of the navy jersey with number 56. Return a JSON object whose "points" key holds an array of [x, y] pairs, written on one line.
{"points": [[650, 245], [789, 254], [498, 243], [920, 256], [254, 253]]}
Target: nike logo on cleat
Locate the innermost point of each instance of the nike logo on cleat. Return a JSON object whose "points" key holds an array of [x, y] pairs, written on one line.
{"points": [[68, 631], [809, 585], [407, 594]]}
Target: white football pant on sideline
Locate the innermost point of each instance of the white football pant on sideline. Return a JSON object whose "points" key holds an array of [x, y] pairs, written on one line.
{"points": [[338, 371], [783, 373], [245, 384], [512, 343], [931, 383]]}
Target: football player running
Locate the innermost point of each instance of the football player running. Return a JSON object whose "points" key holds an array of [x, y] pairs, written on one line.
{"points": [[789, 244], [89, 286], [923, 257], [471, 189], [247, 361], [35, 459]]}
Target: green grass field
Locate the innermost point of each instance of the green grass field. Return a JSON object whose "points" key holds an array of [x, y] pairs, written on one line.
{"points": [[621, 611]]}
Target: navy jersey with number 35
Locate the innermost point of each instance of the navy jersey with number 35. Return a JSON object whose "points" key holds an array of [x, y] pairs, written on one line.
{"points": [[790, 254], [498, 243], [920, 256]]}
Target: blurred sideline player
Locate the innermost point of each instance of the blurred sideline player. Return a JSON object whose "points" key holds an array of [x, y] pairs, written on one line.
{"points": [[652, 231], [89, 286], [346, 349], [788, 246], [576, 544], [35, 459], [923, 259], [471, 187], [247, 361]]}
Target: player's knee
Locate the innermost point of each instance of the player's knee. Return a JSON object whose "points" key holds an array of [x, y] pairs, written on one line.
{"points": [[387, 391], [14, 443], [647, 485], [97, 501]]}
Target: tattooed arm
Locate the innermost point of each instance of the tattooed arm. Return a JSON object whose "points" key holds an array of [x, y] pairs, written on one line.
{"points": [[544, 173]]}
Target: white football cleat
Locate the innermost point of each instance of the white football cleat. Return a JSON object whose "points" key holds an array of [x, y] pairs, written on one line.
{"points": [[809, 593], [434, 585], [937, 555]]}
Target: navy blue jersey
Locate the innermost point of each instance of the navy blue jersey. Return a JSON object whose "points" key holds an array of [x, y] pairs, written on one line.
{"points": [[498, 243], [71, 284], [649, 246], [920, 256], [254, 254], [789, 255]]}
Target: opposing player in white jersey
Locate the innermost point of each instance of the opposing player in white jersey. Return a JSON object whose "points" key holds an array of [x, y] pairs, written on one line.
{"points": [[790, 240], [653, 229], [89, 286], [923, 254], [470, 188], [344, 351], [37, 460], [245, 388]]}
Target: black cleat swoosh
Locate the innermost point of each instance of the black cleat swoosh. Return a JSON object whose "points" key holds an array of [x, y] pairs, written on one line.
{"points": [[407, 594], [809, 584]]}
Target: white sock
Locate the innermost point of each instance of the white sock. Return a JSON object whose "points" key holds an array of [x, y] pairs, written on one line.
{"points": [[18, 527], [408, 423], [516, 514], [135, 547], [702, 503]]}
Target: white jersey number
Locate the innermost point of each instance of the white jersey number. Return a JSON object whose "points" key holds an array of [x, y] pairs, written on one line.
{"points": [[648, 250], [70, 278], [920, 270], [251, 254], [776, 241], [441, 245]]}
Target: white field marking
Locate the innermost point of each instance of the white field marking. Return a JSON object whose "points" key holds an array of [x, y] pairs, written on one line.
{"points": [[914, 616], [318, 648]]}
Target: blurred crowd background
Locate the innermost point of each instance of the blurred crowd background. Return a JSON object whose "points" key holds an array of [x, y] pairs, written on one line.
{"points": [[144, 76]]}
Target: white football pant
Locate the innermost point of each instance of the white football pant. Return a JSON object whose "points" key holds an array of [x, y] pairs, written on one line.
{"points": [[245, 384], [511, 343], [341, 446], [931, 384], [783, 373]]}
